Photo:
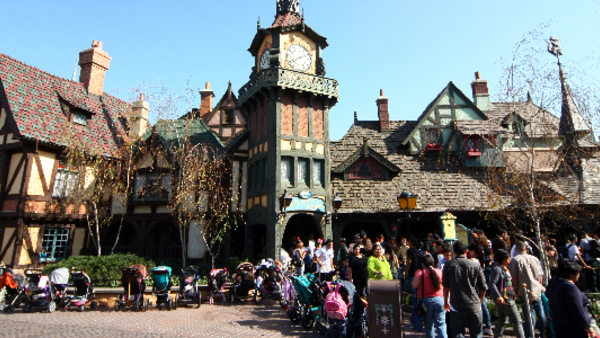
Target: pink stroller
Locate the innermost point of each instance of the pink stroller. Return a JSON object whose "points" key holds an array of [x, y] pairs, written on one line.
{"points": [[218, 279]]}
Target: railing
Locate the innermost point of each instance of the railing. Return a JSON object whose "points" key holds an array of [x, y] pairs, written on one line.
{"points": [[120, 250], [288, 79]]}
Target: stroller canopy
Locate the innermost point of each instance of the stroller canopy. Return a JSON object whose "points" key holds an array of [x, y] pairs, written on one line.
{"points": [[60, 276], [8, 280], [161, 276], [142, 269]]}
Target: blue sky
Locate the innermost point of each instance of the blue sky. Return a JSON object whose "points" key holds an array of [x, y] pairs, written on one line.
{"points": [[411, 49]]}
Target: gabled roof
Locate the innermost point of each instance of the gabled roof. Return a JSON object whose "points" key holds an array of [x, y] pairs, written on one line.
{"points": [[431, 106], [538, 121], [32, 98], [366, 151], [171, 132], [228, 100]]}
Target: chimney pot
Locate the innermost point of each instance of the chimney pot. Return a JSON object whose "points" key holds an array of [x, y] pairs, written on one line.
{"points": [[206, 96], [94, 63], [477, 76], [382, 112]]}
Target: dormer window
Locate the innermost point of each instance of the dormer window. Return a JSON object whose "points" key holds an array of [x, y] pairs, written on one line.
{"points": [[366, 168], [472, 146], [433, 139], [80, 118]]}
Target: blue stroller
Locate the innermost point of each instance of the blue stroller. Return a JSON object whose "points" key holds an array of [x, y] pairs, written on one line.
{"points": [[162, 287]]}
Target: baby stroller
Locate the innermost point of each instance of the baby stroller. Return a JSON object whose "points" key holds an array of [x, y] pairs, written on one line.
{"points": [[132, 279], [344, 310], [218, 278], [308, 306], [59, 281], [14, 292], [243, 283], [268, 281], [189, 292], [42, 293], [83, 294], [162, 287]]}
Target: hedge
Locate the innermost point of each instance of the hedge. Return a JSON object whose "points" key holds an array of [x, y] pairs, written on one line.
{"points": [[103, 270]]}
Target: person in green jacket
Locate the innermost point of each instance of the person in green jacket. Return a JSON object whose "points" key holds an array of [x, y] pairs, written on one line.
{"points": [[379, 268]]}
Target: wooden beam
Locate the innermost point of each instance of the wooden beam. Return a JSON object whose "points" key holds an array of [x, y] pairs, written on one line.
{"points": [[10, 241]]}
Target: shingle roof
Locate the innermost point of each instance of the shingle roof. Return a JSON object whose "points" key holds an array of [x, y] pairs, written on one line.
{"points": [[33, 97], [441, 186], [540, 122], [171, 132], [478, 127], [287, 19]]}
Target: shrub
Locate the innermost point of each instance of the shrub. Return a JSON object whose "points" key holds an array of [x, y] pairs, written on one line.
{"points": [[103, 270]]}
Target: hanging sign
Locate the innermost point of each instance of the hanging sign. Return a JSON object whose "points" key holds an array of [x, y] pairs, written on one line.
{"points": [[448, 222]]}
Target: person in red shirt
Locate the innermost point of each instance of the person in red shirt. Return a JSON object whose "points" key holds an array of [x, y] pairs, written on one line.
{"points": [[428, 282]]}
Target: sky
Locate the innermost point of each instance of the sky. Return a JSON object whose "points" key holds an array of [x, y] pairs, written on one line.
{"points": [[411, 49]]}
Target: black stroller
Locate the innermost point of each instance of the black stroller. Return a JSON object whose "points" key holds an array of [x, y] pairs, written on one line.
{"points": [[132, 279], [44, 293], [15, 290], [189, 291], [243, 286], [83, 295]]}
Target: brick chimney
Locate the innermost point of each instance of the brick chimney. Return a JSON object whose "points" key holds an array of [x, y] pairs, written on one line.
{"points": [[206, 96], [94, 63], [481, 95], [383, 113], [139, 117]]}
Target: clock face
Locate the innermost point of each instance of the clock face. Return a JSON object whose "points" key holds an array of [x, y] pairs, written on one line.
{"points": [[298, 58], [265, 59]]}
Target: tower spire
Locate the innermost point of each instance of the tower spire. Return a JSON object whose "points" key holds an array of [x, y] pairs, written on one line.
{"points": [[571, 120]]}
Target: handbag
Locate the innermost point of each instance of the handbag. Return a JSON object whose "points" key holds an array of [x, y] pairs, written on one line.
{"points": [[421, 306]]}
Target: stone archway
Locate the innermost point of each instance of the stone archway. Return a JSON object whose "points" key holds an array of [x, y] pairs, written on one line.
{"points": [[304, 226], [163, 241]]}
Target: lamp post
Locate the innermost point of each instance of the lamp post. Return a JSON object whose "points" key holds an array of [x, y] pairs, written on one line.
{"points": [[407, 202], [337, 205], [284, 202]]}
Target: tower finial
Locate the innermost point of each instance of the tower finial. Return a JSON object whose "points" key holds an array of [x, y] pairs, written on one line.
{"points": [[258, 24]]}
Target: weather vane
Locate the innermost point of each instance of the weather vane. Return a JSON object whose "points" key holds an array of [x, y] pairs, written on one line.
{"points": [[554, 46], [288, 6]]}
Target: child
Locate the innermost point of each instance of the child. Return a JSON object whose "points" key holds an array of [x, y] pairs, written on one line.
{"points": [[446, 257], [345, 271]]}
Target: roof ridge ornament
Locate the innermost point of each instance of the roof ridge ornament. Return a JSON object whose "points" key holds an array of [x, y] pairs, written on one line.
{"points": [[285, 6]]}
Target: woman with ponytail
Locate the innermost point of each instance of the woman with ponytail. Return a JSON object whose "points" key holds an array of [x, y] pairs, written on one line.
{"points": [[428, 282]]}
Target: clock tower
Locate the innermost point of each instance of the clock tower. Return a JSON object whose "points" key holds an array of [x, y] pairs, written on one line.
{"points": [[287, 103]]}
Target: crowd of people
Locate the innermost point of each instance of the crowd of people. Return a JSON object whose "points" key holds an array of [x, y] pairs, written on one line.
{"points": [[453, 279]]}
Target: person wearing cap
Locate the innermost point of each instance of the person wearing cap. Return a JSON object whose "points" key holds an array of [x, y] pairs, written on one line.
{"points": [[342, 251], [324, 259], [379, 267], [503, 293]]}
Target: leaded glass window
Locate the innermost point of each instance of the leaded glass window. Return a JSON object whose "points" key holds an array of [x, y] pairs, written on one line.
{"points": [[302, 170], [67, 178], [80, 118], [318, 172], [366, 168], [286, 170], [54, 244], [152, 187]]}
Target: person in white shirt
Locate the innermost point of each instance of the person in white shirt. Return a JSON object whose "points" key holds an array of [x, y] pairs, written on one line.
{"points": [[324, 258]]}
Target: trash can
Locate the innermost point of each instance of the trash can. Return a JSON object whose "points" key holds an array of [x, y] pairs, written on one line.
{"points": [[385, 310]]}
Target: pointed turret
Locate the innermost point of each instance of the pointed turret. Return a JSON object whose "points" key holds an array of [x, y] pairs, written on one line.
{"points": [[571, 120]]}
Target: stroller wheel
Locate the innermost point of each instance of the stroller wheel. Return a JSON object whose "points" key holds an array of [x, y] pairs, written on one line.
{"points": [[94, 305], [175, 302], [27, 308], [169, 304], [51, 306], [199, 299], [10, 308], [295, 316], [231, 295], [308, 322], [117, 306], [81, 308], [146, 304], [258, 296], [66, 307]]}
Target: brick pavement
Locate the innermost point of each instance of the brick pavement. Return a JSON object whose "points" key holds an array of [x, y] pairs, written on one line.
{"points": [[220, 320]]}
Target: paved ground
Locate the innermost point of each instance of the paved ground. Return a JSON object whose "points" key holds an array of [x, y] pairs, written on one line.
{"points": [[220, 320]]}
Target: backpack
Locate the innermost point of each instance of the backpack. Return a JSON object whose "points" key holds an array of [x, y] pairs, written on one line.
{"points": [[335, 307], [594, 248], [564, 253], [297, 261]]}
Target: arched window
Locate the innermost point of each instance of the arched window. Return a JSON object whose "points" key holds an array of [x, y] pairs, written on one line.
{"points": [[366, 168]]}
